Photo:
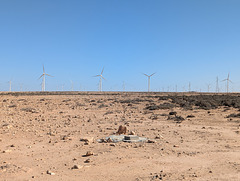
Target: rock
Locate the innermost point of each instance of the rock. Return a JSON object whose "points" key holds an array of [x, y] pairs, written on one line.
{"points": [[6, 125], [89, 153], [63, 137], [122, 130], [151, 141], [50, 172], [87, 160], [190, 116], [7, 151], [159, 137], [87, 139], [109, 140], [132, 133], [173, 113], [77, 167], [112, 144]]}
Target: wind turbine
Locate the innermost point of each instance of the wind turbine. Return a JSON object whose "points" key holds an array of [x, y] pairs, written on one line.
{"points": [[100, 82], [71, 85], [43, 80], [21, 87], [228, 80], [217, 87], [208, 87], [10, 85], [123, 86], [149, 76]]}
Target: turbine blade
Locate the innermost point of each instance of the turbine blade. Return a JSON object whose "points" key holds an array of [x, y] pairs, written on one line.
{"points": [[43, 69], [224, 80], [40, 76], [96, 75], [102, 71], [230, 81], [146, 75], [103, 77], [49, 75], [152, 74]]}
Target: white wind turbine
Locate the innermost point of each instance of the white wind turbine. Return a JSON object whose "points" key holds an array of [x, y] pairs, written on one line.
{"points": [[149, 76], [72, 85], [43, 80], [100, 82], [228, 80], [208, 87], [10, 85]]}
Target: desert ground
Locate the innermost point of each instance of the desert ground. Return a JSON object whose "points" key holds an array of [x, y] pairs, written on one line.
{"points": [[62, 136]]}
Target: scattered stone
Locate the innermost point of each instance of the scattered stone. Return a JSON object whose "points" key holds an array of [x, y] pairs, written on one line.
{"points": [[153, 107], [8, 126], [154, 117], [159, 137], [179, 119], [65, 137], [132, 133], [89, 153], [7, 151], [190, 116], [122, 130], [109, 140], [87, 139], [151, 141], [87, 160], [50, 172], [112, 144], [77, 167], [173, 113]]}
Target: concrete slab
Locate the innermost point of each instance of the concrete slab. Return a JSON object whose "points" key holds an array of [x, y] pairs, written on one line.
{"points": [[125, 138]]}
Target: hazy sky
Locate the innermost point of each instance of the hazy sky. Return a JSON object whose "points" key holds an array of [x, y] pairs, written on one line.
{"points": [[182, 40]]}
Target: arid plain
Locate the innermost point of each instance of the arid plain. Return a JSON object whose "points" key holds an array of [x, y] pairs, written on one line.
{"points": [[55, 136]]}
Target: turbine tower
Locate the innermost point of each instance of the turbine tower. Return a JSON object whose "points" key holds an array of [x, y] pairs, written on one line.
{"points": [[208, 87], [228, 80], [43, 80], [149, 76], [217, 86], [123, 86], [100, 81], [71, 85], [10, 86], [189, 87]]}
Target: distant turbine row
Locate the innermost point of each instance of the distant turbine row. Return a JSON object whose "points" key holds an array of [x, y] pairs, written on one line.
{"points": [[101, 77], [100, 81]]}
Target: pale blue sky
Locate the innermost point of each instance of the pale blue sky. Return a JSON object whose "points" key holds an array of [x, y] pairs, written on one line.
{"points": [[182, 40]]}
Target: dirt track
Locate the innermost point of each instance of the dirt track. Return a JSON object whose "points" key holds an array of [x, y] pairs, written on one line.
{"points": [[40, 134]]}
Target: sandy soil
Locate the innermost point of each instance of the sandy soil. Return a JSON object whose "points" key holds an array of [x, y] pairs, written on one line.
{"points": [[40, 139]]}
